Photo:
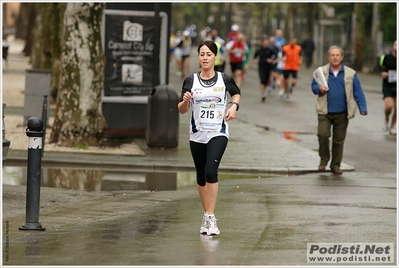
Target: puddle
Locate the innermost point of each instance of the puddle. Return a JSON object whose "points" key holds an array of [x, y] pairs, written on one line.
{"points": [[103, 179], [100, 179]]}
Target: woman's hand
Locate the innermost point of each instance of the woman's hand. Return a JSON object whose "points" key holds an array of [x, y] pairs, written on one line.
{"points": [[183, 106], [231, 113], [187, 96]]}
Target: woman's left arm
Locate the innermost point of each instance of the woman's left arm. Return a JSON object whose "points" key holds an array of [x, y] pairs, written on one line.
{"points": [[232, 111]]}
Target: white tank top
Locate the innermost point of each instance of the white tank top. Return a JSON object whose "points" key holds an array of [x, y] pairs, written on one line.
{"points": [[208, 110]]}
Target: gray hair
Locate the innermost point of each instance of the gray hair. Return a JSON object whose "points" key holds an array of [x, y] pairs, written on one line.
{"points": [[334, 47]]}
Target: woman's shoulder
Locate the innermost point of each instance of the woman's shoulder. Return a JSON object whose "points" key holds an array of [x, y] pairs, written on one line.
{"points": [[188, 81], [189, 77], [227, 78]]}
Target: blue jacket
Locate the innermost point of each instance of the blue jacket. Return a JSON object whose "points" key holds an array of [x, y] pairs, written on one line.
{"points": [[336, 96]]}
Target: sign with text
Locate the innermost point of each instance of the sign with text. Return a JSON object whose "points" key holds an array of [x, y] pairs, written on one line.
{"points": [[350, 253], [129, 52]]}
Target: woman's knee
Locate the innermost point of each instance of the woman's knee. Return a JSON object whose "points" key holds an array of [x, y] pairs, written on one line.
{"points": [[211, 177]]}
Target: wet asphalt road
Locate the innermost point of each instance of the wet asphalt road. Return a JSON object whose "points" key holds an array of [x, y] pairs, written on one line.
{"points": [[263, 221]]}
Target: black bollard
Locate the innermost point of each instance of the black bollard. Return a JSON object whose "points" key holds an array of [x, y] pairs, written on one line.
{"points": [[34, 132]]}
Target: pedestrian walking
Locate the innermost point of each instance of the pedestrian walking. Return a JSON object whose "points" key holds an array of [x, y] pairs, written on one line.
{"points": [[308, 48], [205, 93], [186, 53], [221, 54], [246, 61], [388, 66], [234, 31], [274, 75], [237, 49], [337, 102], [172, 45], [265, 55], [279, 39], [293, 58], [279, 42], [178, 53]]}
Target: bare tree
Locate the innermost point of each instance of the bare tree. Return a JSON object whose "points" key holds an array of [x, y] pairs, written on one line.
{"points": [[78, 117]]}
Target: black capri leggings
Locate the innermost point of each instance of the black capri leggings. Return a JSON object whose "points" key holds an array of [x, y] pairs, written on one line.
{"points": [[207, 157]]}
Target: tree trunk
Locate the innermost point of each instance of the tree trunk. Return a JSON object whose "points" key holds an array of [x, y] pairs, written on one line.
{"points": [[78, 117], [360, 30], [58, 10], [26, 26], [41, 53]]}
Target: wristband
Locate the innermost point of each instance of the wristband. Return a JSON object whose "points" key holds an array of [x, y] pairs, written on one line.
{"points": [[237, 105]]}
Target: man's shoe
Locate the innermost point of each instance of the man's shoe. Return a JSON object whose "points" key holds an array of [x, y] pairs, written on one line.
{"points": [[322, 167], [336, 171]]}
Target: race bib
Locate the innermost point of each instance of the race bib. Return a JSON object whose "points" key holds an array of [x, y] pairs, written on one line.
{"points": [[211, 116], [392, 76]]}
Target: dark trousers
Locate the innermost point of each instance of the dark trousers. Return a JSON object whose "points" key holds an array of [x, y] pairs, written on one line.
{"points": [[308, 59], [339, 125]]}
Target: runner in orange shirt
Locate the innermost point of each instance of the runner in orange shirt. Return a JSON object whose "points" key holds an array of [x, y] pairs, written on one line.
{"points": [[292, 53]]}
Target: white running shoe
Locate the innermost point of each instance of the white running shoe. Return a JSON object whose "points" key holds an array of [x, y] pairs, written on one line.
{"points": [[204, 225], [212, 226], [392, 131], [281, 93], [385, 127]]}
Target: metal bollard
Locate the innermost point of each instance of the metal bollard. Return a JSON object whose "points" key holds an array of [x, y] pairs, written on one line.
{"points": [[34, 132]]}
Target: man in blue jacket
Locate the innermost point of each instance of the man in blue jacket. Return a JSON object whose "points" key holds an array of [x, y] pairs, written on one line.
{"points": [[337, 102]]}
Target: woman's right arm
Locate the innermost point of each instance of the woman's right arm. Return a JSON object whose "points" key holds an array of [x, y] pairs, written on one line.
{"points": [[184, 105]]}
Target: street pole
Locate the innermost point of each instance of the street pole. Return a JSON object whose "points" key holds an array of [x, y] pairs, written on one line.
{"points": [[35, 133]]}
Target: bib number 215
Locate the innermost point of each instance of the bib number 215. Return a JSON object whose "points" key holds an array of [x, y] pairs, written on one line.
{"points": [[208, 114]]}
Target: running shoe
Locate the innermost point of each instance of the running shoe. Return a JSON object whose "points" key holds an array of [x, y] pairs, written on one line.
{"points": [[385, 127], [204, 225], [392, 131], [212, 226], [263, 97], [287, 97], [281, 93]]}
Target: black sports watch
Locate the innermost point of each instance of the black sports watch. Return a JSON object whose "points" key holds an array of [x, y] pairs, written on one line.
{"points": [[237, 105]]}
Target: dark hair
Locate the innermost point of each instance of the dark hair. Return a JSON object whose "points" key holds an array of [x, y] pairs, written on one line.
{"points": [[210, 44]]}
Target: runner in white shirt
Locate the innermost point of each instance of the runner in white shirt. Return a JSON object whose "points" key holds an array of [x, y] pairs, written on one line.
{"points": [[205, 93]]}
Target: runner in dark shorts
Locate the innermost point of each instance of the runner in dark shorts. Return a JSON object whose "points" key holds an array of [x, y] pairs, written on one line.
{"points": [[236, 66]]}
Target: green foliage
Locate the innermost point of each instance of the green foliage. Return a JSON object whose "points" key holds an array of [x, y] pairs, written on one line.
{"points": [[81, 146], [388, 21]]}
